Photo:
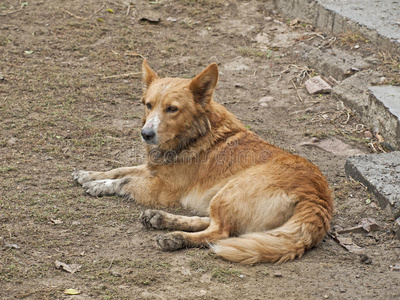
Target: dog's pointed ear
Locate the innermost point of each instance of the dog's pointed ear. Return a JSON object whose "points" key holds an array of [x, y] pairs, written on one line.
{"points": [[148, 74], [203, 85]]}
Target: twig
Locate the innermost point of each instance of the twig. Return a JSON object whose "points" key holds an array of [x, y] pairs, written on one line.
{"points": [[82, 18], [24, 295], [373, 148], [12, 12], [216, 59], [360, 125], [348, 111], [134, 54], [297, 91], [109, 267], [135, 75], [75, 16], [332, 41], [282, 72], [98, 10], [348, 117]]}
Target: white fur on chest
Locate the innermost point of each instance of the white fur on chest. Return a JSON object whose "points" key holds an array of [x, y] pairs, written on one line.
{"points": [[199, 201], [195, 201]]}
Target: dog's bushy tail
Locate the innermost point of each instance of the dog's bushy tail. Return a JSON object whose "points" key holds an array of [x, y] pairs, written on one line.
{"points": [[304, 230]]}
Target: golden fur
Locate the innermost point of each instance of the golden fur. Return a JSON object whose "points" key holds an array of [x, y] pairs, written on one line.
{"points": [[255, 202]]}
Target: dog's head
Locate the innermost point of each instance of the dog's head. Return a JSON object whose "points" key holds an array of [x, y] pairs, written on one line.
{"points": [[175, 108]]}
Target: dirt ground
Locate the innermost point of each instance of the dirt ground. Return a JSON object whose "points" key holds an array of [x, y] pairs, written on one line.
{"points": [[69, 98]]}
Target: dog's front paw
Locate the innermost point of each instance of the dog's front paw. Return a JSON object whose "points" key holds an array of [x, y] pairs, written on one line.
{"points": [[152, 219], [81, 176], [99, 188], [171, 241]]}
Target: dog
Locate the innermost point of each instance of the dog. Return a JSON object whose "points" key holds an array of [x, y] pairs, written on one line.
{"points": [[254, 202]]}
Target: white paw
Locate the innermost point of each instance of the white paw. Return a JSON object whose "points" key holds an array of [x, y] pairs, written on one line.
{"points": [[81, 176], [99, 187], [106, 187]]}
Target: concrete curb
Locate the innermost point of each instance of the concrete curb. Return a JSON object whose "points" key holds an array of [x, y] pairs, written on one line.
{"points": [[375, 20], [384, 103], [381, 174]]}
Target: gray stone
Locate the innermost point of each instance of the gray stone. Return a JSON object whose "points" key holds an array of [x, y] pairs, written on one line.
{"points": [[264, 101], [316, 85], [381, 174], [384, 103]]}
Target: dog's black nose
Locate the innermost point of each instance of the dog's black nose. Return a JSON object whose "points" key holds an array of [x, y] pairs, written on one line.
{"points": [[148, 134]]}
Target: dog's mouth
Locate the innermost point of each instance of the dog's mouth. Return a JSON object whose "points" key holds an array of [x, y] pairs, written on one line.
{"points": [[150, 142], [153, 141]]}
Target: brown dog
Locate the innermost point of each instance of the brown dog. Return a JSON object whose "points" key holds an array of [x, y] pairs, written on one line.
{"points": [[258, 202]]}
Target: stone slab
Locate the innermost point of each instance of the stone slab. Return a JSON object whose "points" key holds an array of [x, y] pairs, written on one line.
{"points": [[380, 15], [378, 21], [333, 61], [378, 106], [316, 85], [353, 91], [384, 107], [381, 174]]}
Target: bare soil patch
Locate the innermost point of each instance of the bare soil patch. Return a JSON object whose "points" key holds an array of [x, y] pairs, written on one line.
{"points": [[69, 98]]}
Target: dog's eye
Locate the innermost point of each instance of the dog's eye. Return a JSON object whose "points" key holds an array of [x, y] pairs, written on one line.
{"points": [[148, 105], [172, 109]]}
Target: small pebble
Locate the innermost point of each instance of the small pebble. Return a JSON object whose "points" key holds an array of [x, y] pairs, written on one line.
{"points": [[265, 100], [277, 274], [115, 274], [12, 141], [368, 134], [365, 259], [12, 246]]}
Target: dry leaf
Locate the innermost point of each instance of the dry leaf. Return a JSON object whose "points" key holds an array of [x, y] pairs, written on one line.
{"points": [[72, 292], [367, 225], [11, 246], [332, 145], [72, 268], [348, 244], [56, 222]]}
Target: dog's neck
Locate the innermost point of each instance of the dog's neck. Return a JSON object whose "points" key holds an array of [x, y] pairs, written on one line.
{"points": [[215, 125]]}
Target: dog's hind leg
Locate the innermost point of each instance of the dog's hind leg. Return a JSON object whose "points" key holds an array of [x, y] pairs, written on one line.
{"points": [[158, 219], [179, 239]]}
